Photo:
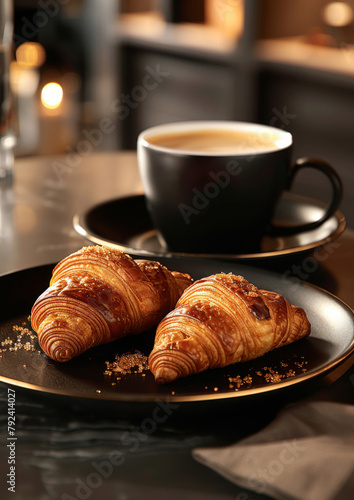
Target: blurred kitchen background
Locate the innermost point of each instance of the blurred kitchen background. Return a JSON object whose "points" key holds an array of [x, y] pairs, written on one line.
{"points": [[89, 75]]}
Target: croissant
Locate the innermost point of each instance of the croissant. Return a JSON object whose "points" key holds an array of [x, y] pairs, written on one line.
{"points": [[220, 320], [97, 295]]}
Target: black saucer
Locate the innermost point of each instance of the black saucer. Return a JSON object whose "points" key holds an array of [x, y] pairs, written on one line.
{"points": [[125, 223]]}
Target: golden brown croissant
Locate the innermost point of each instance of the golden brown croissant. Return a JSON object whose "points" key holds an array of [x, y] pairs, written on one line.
{"points": [[220, 320], [98, 295]]}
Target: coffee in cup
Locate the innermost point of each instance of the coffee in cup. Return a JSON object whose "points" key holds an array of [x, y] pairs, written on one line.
{"points": [[213, 186], [217, 141]]}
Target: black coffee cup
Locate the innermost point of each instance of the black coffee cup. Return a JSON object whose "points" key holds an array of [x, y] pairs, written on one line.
{"points": [[213, 186]]}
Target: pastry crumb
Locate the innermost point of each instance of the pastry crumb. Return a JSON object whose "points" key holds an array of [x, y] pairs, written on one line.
{"points": [[272, 374], [127, 364], [24, 340]]}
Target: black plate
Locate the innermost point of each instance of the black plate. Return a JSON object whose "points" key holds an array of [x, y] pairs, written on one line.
{"points": [[125, 223], [330, 344]]}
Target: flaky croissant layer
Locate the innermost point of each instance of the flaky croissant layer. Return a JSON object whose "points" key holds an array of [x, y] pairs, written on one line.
{"points": [[220, 320], [97, 295]]}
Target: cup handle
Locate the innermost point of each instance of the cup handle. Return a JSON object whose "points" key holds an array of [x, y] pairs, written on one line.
{"points": [[337, 191]]}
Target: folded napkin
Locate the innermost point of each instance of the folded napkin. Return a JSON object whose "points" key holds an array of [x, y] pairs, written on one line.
{"points": [[305, 453]]}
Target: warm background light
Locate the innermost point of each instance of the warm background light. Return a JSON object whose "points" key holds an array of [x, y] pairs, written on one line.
{"points": [[23, 81], [52, 95], [30, 55], [338, 14], [227, 16]]}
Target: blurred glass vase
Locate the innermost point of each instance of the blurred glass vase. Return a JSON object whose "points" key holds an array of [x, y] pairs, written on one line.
{"points": [[7, 140]]}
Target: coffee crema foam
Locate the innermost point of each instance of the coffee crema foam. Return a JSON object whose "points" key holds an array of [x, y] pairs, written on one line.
{"points": [[218, 141]]}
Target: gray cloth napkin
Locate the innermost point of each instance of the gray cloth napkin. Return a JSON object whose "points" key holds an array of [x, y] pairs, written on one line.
{"points": [[305, 453]]}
